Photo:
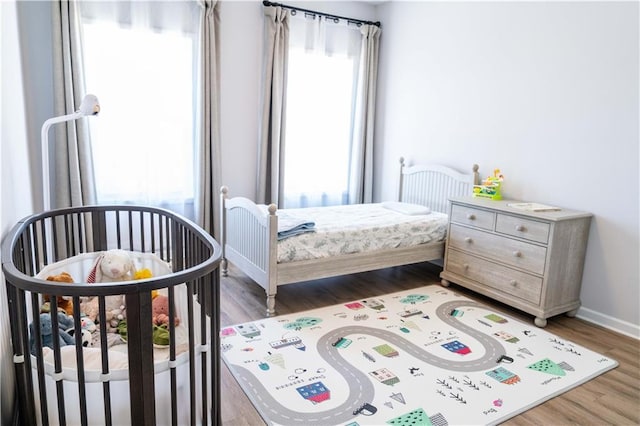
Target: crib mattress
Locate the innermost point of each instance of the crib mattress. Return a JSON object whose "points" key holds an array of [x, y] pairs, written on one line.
{"points": [[358, 228]]}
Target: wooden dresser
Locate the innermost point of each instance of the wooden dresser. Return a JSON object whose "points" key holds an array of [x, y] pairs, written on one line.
{"points": [[532, 261]]}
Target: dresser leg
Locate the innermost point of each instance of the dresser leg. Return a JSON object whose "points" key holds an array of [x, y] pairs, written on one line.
{"points": [[540, 322], [572, 313], [444, 283]]}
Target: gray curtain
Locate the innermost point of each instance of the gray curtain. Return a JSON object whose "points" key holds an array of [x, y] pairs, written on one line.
{"points": [[73, 181], [361, 166], [274, 79], [209, 148]]}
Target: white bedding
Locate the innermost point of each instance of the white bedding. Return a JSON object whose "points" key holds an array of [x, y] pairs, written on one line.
{"points": [[359, 228]]}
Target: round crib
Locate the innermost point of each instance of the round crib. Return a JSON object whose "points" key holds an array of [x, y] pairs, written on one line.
{"points": [[138, 373]]}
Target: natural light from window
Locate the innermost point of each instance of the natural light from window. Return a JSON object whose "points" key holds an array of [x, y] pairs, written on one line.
{"points": [[318, 128], [142, 140]]}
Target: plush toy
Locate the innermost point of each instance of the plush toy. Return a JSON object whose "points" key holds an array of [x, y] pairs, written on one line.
{"points": [[88, 327], [87, 324], [89, 306], [160, 311], [142, 274], [115, 307], [115, 310], [46, 331], [112, 266], [65, 303]]}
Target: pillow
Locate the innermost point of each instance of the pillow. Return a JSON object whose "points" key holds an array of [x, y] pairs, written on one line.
{"points": [[406, 208]]}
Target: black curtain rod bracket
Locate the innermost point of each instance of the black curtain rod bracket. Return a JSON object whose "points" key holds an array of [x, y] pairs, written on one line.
{"points": [[335, 18]]}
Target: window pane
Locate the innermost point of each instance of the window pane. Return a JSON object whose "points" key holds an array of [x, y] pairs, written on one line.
{"points": [[318, 127], [143, 138]]}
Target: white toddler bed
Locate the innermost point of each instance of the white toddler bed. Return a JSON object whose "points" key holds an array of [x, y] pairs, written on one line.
{"points": [[346, 239]]}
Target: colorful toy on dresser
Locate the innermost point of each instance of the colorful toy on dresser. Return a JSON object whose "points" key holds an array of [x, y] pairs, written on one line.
{"points": [[491, 187]]}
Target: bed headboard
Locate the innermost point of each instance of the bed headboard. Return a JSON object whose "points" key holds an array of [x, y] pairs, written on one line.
{"points": [[432, 185]]}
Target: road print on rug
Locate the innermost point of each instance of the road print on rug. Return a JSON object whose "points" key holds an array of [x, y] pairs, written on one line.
{"points": [[422, 356]]}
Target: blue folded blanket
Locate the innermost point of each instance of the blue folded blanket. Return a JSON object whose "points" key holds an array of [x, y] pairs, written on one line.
{"points": [[289, 226]]}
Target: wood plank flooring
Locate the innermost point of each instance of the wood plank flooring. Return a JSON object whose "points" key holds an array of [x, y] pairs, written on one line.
{"points": [[610, 399]]}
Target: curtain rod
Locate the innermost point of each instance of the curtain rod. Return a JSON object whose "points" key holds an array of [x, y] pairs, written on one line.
{"points": [[326, 15]]}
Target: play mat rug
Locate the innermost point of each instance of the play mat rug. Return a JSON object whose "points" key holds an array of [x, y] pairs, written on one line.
{"points": [[417, 357]]}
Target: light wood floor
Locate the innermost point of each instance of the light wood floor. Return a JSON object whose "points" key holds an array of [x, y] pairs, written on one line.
{"points": [[610, 399]]}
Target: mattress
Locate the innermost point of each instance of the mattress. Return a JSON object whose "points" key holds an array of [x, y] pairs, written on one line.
{"points": [[358, 228]]}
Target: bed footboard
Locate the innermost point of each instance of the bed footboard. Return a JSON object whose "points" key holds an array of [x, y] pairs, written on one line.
{"points": [[249, 241]]}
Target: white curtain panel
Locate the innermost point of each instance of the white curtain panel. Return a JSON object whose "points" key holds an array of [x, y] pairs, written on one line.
{"points": [[331, 109], [324, 61], [318, 110]]}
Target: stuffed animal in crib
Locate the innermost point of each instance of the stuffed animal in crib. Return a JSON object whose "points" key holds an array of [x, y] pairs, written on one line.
{"points": [[160, 311], [112, 266], [89, 307], [115, 310], [115, 307], [46, 331], [142, 274], [87, 329], [65, 303]]}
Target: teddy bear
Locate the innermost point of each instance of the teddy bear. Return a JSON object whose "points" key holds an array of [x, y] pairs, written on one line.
{"points": [[46, 332], [89, 307], [160, 311], [65, 303], [115, 310]]}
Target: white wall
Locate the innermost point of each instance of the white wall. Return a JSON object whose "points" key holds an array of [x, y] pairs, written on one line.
{"points": [[15, 189], [240, 50], [548, 93], [35, 29]]}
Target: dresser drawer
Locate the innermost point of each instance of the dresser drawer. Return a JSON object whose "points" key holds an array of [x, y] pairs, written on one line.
{"points": [[498, 248], [515, 283], [474, 217], [523, 228]]}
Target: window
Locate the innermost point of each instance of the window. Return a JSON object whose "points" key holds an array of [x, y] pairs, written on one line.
{"points": [[143, 140], [321, 80]]}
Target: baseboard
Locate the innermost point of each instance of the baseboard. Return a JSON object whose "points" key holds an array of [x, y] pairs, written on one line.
{"points": [[611, 323]]}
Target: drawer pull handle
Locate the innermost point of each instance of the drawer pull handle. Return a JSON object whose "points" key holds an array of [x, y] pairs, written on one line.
{"points": [[468, 240], [520, 228], [517, 253], [513, 283], [471, 216]]}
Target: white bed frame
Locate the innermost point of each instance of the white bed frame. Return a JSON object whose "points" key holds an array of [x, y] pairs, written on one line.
{"points": [[249, 236]]}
